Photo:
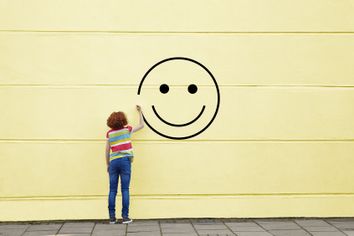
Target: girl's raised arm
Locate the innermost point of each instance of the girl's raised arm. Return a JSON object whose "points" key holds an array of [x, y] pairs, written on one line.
{"points": [[141, 120]]}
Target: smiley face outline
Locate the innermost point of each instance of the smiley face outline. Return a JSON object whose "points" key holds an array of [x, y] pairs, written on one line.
{"points": [[178, 125], [195, 119]]}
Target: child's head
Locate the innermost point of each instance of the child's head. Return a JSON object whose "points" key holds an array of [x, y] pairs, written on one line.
{"points": [[117, 120]]}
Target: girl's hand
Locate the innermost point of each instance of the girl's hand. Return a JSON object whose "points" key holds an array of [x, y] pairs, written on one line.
{"points": [[138, 108]]}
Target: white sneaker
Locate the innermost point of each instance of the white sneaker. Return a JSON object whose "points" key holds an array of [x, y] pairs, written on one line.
{"points": [[127, 221]]}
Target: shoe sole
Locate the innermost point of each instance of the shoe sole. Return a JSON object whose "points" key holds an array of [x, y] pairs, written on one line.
{"points": [[127, 222]]}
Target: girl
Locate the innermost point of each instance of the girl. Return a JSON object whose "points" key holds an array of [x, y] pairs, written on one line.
{"points": [[119, 161]]}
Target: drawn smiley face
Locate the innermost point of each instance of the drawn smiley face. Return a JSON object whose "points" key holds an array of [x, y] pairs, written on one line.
{"points": [[166, 73]]}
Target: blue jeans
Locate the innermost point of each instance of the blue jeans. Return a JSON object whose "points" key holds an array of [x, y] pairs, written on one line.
{"points": [[120, 167]]}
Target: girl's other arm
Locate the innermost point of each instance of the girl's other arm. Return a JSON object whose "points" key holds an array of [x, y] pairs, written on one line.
{"points": [[108, 149], [141, 120]]}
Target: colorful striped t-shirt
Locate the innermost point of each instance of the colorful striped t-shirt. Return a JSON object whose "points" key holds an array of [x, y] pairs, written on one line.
{"points": [[120, 142]]}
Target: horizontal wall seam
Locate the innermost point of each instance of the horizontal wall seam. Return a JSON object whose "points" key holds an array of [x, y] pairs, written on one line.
{"points": [[169, 141], [176, 196], [171, 32], [154, 85]]}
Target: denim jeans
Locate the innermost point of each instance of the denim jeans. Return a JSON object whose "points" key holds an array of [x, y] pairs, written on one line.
{"points": [[120, 167]]}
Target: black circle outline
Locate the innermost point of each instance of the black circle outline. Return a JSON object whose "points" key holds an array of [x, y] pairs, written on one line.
{"points": [[192, 86], [217, 89]]}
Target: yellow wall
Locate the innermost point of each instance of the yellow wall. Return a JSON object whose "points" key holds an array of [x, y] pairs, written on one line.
{"points": [[281, 145]]}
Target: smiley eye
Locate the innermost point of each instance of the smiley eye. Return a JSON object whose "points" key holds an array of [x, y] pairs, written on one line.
{"points": [[192, 88], [164, 88]]}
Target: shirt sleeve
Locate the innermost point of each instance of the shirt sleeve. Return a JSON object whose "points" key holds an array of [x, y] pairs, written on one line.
{"points": [[107, 134], [130, 128]]}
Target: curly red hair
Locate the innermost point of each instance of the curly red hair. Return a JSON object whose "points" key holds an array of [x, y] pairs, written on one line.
{"points": [[117, 120]]}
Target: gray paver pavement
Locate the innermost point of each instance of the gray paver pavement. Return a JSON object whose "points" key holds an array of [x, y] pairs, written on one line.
{"points": [[186, 227]]}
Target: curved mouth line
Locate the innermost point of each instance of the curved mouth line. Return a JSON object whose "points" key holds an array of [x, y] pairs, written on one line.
{"points": [[178, 125]]}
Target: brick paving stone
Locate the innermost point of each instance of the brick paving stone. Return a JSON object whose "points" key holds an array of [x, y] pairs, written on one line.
{"points": [[274, 225], [180, 234], [345, 228], [179, 231], [341, 219], [41, 233], [215, 232], [185, 226], [320, 228], [254, 234], [177, 221], [14, 226], [347, 222], [247, 229], [209, 226], [241, 224], [312, 222], [108, 233], [144, 234], [144, 222], [177, 228], [143, 228], [12, 232], [188, 227], [182, 231], [176, 224], [75, 230], [109, 230], [338, 233], [46, 227], [73, 234], [100, 226], [292, 232], [347, 225], [349, 233], [79, 224]]}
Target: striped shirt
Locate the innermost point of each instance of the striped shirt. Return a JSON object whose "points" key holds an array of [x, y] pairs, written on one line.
{"points": [[120, 143]]}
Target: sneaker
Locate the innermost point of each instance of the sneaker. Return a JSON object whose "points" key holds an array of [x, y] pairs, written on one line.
{"points": [[112, 221], [127, 221]]}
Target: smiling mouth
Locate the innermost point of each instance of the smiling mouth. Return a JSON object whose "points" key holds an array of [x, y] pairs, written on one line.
{"points": [[178, 125]]}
